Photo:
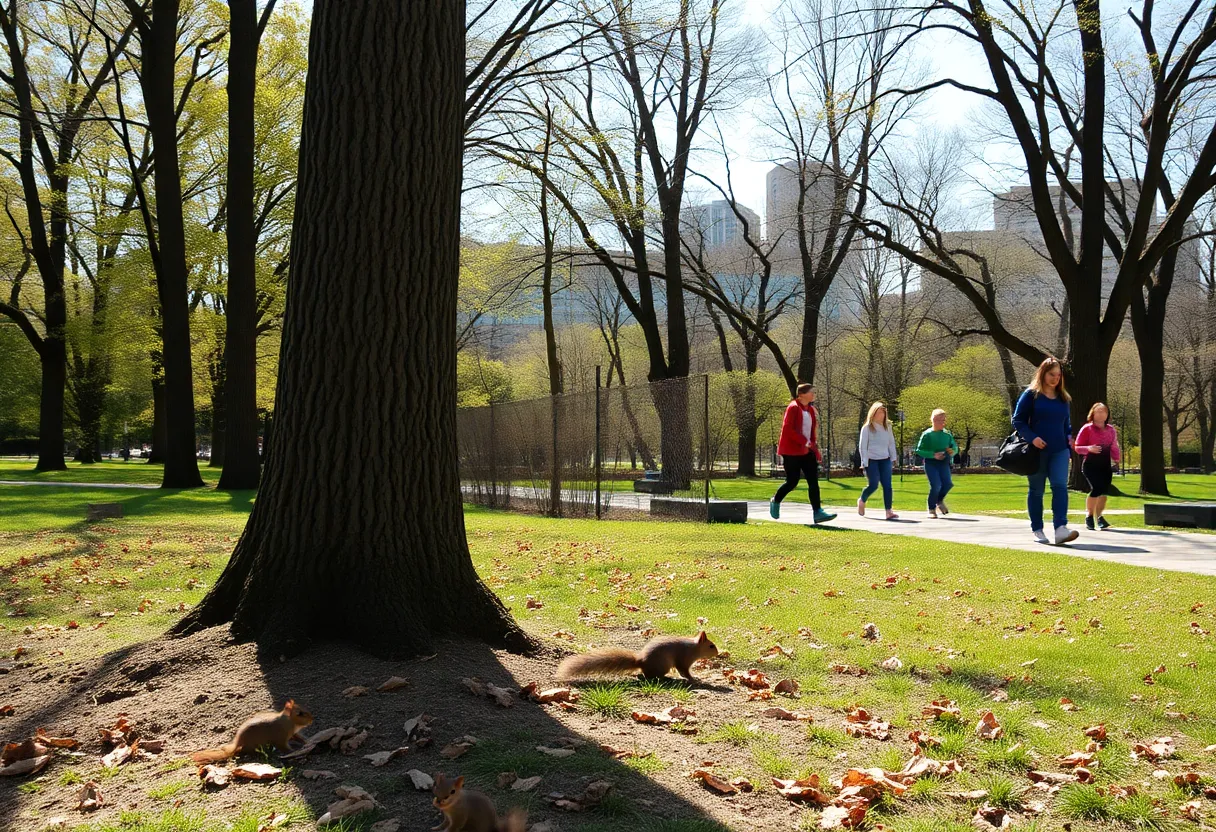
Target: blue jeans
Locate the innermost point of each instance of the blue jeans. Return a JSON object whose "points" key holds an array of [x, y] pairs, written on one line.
{"points": [[1053, 467], [878, 471], [938, 472]]}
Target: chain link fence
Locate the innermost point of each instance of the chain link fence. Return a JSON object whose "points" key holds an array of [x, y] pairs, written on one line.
{"points": [[611, 451]]}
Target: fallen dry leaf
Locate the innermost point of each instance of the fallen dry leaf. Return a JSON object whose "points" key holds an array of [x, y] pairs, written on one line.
{"points": [[860, 723], [942, 709], [995, 817], [675, 713], [849, 670], [714, 782], [422, 781], [1067, 704], [55, 742], [526, 784], [892, 663], [1161, 748], [782, 713], [353, 801], [456, 749], [119, 755], [872, 777], [351, 744], [1076, 758], [752, 678], [1097, 732], [555, 752], [354, 690], [789, 687], [742, 784], [381, 758], [474, 686], [90, 797], [988, 728], [29, 765], [924, 738], [503, 696], [256, 771], [545, 697], [807, 789], [213, 775], [271, 821], [777, 652], [393, 683]]}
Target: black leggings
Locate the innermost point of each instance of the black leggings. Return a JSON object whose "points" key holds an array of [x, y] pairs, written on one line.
{"points": [[796, 467], [1096, 469]]}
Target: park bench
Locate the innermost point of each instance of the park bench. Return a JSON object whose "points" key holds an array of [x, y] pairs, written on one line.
{"points": [[1186, 515], [652, 482], [720, 511]]}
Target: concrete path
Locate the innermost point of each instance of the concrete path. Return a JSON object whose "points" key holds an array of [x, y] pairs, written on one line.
{"points": [[1171, 551]]}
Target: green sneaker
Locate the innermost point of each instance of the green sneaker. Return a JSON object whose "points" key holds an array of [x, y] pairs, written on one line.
{"points": [[774, 509], [822, 516]]}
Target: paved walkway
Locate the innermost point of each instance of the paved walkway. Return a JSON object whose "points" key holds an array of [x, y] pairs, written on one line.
{"points": [[80, 484], [1171, 551]]}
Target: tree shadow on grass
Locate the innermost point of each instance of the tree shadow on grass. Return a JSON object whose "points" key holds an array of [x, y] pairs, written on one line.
{"points": [[193, 693]]}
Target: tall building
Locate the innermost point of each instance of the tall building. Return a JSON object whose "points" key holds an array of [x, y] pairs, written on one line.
{"points": [[719, 225], [781, 203]]}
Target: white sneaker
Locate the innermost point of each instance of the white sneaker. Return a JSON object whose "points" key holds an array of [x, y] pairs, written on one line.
{"points": [[1040, 537], [1065, 535], [861, 507]]}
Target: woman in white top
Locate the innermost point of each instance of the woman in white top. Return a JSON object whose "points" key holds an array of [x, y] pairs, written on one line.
{"points": [[877, 448]]}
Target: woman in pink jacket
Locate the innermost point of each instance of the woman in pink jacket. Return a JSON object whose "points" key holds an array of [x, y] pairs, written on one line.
{"points": [[1098, 446]]}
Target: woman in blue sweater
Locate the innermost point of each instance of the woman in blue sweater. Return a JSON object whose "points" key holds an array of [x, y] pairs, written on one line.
{"points": [[1041, 418]]}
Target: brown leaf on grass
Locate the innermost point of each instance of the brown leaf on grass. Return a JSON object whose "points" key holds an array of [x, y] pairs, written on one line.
{"points": [[782, 713], [28, 765], [1191, 810], [555, 752], [534, 604], [859, 723], [119, 755], [474, 686], [760, 696], [120, 734], [1097, 732], [355, 690], [849, 670], [55, 742], [1067, 704], [998, 695], [751, 678], [1161, 748], [892, 663], [1052, 778], [788, 687], [1076, 758], [545, 697], [843, 817], [456, 749], [675, 713], [353, 801], [526, 784], [777, 652], [351, 744], [214, 776], [808, 789], [90, 797], [714, 782], [924, 738], [992, 817], [382, 758], [392, 683], [256, 771], [25, 750], [870, 777], [919, 766], [272, 821], [503, 696], [988, 728], [421, 780], [942, 709]]}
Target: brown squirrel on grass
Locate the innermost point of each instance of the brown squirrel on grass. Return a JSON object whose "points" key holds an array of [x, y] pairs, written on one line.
{"points": [[655, 660], [269, 728], [465, 810]]}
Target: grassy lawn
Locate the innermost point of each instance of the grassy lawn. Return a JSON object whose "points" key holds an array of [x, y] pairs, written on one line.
{"points": [[963, 620], [137, 471]]}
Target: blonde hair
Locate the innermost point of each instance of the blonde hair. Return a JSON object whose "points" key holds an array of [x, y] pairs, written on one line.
{"points": [[1090, 417], [937, 411], [1050, 363], [886, 417]]}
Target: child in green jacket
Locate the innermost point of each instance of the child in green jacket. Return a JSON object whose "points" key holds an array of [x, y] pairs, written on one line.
{"points": [[937, 447]]}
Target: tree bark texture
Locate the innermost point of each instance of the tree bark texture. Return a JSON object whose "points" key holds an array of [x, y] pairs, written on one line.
{"points": [[242, 469], [156, 455], [1148, 324], [358, 530], [158, 40]]}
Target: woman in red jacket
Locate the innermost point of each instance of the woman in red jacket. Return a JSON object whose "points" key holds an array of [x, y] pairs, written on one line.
{"points": [[799, 449]]}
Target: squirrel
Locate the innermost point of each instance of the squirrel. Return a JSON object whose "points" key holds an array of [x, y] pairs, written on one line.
{"points": [[655, 660], [465, 810], [269, 728]]}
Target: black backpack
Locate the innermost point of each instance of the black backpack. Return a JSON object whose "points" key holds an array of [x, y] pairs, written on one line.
{"points": [[1017, 456]]}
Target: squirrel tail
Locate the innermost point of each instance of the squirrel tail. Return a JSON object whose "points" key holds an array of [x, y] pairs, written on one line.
{"points": [[516, 820], [213, 755], [611, 660]]}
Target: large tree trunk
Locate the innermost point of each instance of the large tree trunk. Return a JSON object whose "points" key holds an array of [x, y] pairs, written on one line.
{"points": [[158, 40], [90, 404], [53, 354], [242, 469], [810, 334], [219, 419], [1148, 326], [368, 546], [160, 436], [1087, 368]]}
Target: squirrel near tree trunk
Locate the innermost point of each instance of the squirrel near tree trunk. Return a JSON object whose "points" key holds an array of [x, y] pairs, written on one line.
{"points": [[269, 728], [465, 810], [655, 660]]}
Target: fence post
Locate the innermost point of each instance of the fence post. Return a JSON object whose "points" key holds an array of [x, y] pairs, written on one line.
{"points": [[707, 453], [597, 441]]}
